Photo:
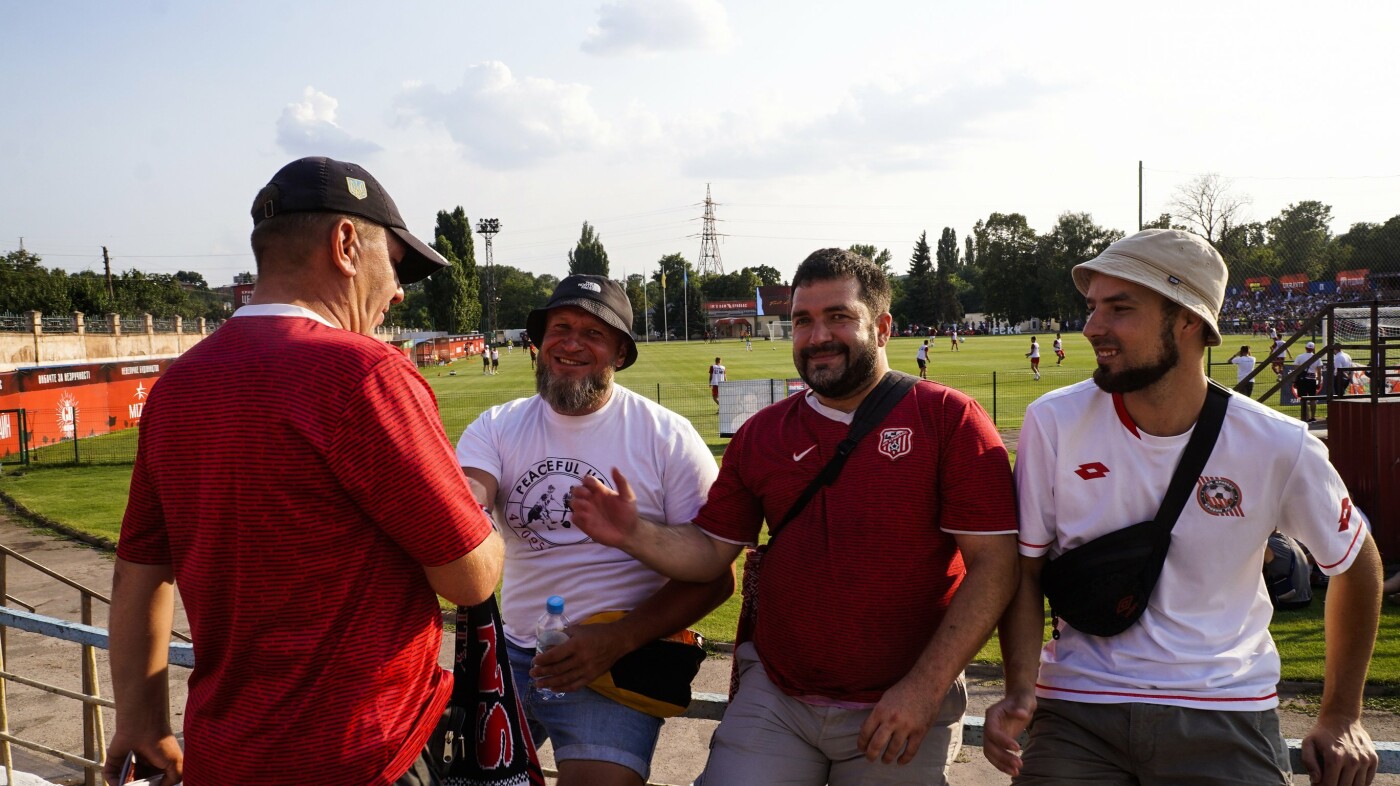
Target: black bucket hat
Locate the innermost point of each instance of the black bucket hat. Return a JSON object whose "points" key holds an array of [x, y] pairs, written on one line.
{"points": [[599, 296], [324, 185]]}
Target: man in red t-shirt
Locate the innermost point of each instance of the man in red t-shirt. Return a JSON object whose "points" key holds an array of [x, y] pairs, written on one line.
{"points": [[309, 520], [875, 597]]}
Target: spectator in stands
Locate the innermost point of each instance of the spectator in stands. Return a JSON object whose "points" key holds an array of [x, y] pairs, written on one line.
{"points": [[309, 521], [1196, 675], [580, 424], [936, 557]]}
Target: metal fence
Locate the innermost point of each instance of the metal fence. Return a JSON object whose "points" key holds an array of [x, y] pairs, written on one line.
{"points": [[13, 323], [97, 324], [59, 324]]}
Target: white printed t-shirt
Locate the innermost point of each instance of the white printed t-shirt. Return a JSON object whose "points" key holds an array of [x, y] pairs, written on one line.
{"points": [[716, 373], [1083, 470], [538, 456]]}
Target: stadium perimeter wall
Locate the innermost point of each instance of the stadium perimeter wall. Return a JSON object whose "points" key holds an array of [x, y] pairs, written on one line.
{"points": [[35, 347]]}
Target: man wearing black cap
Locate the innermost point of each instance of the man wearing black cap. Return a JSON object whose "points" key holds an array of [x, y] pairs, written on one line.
{"points": [[581, 424], [293, 479]]}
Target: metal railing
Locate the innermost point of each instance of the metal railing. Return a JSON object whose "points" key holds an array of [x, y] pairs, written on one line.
{"points": [[13, 323], [133, 325], [90, 639], [59, 325], [97, 324]]}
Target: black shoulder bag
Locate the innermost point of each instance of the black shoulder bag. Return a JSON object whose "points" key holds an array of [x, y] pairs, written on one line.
{"points": [[888, 392], [1103, 586]]}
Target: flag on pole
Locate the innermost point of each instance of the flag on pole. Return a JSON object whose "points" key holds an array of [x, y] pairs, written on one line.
{"points": [[663, 279], [758, 302], [685, 277]]}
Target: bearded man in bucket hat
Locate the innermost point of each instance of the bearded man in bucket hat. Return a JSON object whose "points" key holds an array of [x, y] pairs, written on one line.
{"points": [[580, 424], [1187, 693]]}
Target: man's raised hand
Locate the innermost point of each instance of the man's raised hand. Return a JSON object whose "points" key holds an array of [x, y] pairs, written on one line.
{"points": [[608, 517]]}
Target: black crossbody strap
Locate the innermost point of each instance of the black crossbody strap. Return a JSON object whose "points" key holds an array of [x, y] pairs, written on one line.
{"points": [[890, 390], [1193, 459]]}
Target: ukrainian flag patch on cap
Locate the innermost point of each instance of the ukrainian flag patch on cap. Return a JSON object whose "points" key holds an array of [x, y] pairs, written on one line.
{"points": [[357, 188]]}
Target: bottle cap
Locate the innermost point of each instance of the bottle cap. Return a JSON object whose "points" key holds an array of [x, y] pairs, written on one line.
{"points": [[555, 605]]}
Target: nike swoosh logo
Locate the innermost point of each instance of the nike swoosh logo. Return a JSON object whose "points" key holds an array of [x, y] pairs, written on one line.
{"points": [[803, 454]]}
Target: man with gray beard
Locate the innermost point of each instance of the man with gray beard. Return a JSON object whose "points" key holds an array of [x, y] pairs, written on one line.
{"points": [[528, 456]]}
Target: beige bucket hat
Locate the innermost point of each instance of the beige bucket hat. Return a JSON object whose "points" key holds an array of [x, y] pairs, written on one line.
{"points": [[1177, 265]]}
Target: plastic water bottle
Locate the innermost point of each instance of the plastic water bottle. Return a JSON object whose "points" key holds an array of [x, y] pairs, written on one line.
{"points": [[550, 633]]}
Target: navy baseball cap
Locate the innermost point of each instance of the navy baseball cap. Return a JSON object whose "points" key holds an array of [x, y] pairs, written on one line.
{"points": [[324, 185]]}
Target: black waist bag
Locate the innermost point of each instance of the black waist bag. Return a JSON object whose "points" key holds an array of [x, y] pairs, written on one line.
{"points": [[1103, 586]]}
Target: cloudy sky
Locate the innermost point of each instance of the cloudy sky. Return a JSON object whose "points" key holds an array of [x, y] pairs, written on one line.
{"points": [[148, 127]]}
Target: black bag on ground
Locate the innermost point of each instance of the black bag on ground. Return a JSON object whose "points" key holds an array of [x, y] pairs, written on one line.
{"points": [[1103, 586]]}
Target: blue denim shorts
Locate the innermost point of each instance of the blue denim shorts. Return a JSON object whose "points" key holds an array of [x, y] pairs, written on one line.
{"points": [[586, 725]]}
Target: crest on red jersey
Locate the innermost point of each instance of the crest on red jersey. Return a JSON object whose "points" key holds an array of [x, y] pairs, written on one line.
{"points": [[895, 442]]}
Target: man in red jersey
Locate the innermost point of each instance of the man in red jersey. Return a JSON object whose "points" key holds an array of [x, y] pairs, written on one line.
{"points": [[869, 612], [309, 520]]}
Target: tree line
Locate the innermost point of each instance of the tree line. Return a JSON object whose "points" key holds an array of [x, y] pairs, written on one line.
{"points": [[26, 285], [1002, 268]]}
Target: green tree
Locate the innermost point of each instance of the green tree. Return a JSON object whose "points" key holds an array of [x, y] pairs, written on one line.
{"points": [[739, 285], [1074, 239], [1300, 236], [1007, 253], [918, 306], [1372, 245], [1247, 252], [946, 255], [677, 271], [588, 255], [192, 278], [520, 292], [636, 293], [881, 257], [1164, 221], [455, 297], [767, 276]]}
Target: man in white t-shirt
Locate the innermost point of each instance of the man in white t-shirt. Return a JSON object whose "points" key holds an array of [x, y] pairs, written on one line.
{"points": [[1341, 371], [921, 357], [1244, 366], [1034, 355], [528, 455], [1059, 347], [1188, 693], [716, 377], [1306, 382]]}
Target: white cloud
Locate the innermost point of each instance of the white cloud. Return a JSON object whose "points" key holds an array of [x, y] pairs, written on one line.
{"points": [[308, 128], [503, 122], [877, 128], [650, 26]]}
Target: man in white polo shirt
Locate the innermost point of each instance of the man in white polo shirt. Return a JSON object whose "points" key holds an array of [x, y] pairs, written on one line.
{"points": [[1188, 692]]}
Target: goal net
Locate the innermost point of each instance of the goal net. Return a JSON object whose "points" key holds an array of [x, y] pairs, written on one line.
{"points": [[780, 331], [1354, 324]]}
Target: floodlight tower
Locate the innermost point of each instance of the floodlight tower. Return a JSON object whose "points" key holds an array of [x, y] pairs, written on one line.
{"points": [[487, 228], [709, 262]]}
